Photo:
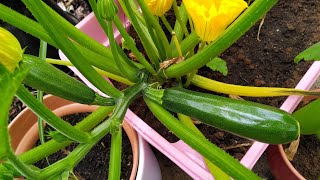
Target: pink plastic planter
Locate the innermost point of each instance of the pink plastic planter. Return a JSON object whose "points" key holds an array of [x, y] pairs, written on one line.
{"points": [[180, 153]]}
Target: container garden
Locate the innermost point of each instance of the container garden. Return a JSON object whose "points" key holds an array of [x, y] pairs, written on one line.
{"points": [[180, 153], [24, 128], [82, 51]]}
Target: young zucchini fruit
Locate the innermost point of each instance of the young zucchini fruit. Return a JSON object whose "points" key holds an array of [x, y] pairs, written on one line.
{"points": [[47, 78], [252, 120]]}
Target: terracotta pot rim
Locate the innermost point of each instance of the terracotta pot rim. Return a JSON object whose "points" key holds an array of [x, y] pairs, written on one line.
{"points": [[287, 162], [63, 107]]}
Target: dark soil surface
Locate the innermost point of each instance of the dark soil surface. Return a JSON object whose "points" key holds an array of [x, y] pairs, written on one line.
{"points": [[96, 163], [289, 28]]}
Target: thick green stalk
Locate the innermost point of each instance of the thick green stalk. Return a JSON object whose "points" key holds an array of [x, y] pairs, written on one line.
{"points": [[24, 23], [155, 24], [182, 22], [102, 60], [9, 83], [156, 40], [166, 23], [178, 29], [187, 44], [101, 72], [42, 55], [115, 153], [106, 63], [128, 66], [34, 155], [210, 151], [122, 66], [53, 146], [32, 27], [69, 162], [233, 33], [132, 45], [48, 22], [57, 123], [76, 35], [22, 168], [143, 34], [217, 173]]}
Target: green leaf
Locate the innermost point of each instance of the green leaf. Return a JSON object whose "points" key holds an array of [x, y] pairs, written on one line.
{"points": [[218, 64], [308, 117], [312, 53]]}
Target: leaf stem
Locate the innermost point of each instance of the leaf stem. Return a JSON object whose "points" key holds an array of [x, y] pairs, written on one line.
{"points": [[143, 34], [132, 46], [166, 24], [155, 24], [179, 19], [250, 91], [115, 153], [101, 72], [57, 123], [42, 56], [215, 171]]}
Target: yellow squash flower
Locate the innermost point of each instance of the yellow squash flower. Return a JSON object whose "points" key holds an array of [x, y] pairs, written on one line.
{"points": [[10, 50], [159, 7], [212, 17]]}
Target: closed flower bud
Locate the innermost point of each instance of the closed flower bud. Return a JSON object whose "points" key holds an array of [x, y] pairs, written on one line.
{"points": [[10, 50], [159, 7], [107, 9], [212, 17]]}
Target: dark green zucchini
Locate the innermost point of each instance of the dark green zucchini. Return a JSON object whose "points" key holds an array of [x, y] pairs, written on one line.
{"points": [[47, 78], [252, 120]]}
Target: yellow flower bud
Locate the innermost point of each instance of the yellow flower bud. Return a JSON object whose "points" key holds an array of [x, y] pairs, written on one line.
{"points": [[159, 7], [212, 17], [10, 50]]}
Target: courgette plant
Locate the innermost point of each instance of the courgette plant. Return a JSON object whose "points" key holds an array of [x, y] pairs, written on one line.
{"points": [[175, 59]]}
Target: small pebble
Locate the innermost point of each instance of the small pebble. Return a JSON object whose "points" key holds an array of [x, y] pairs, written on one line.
{"points": [[247, 61], [233, 61], [219, 135], [252, 66], [257, 82], [289, 50], [241, 56], [290, 27]]}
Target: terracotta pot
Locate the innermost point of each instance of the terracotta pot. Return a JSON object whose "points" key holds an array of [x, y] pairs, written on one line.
{"points": [[279, 164], [24, 128]]}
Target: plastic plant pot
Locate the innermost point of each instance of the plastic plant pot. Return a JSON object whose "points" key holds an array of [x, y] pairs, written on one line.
{"points": [[24, 128], [181, 154]]}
